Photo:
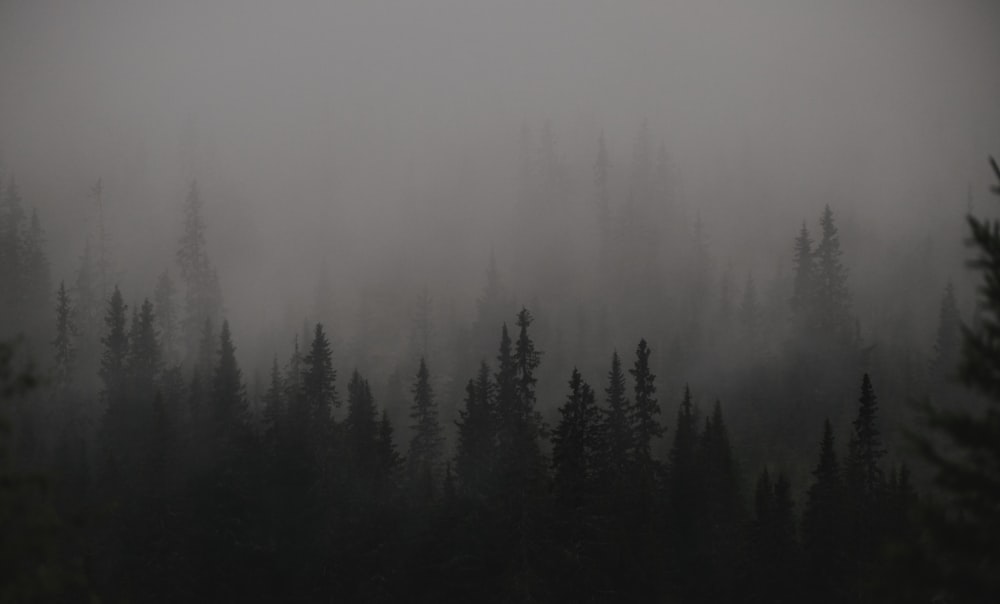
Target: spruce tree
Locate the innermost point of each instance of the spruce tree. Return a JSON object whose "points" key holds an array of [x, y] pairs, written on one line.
{"points": [[36, 278], [477, 437], [319, 379], [116, 348], [823, 524], [387, 459], [202, 297], [144, 359], [646, 427], [576, 444], [166, 315], [865, 450], [361, 425], [230, 413], [64, 349], [617, 428], [947, 343], [804, 287], [274, 404], [832, 295], [427, 442]]}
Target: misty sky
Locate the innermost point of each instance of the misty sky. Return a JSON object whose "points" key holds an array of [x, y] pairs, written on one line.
{"points": [[365, 130]]}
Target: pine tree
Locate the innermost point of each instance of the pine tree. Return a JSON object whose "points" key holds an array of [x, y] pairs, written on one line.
{"points": [[144, 360], [477, 436], [231, 413], [645, 408], [823, 524], [617, 427], [832, 295], [388, 459], [427, 442], [947, 344], [202, 298], [116, 346], [361, 425], [576, 444], [804, 288], [319, 379], [64, 350], [274, 404], [12, 256], [166, 315], [962, 446], [36, 278], [864, 475]]}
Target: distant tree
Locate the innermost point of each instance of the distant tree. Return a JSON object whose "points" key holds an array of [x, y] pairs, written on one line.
{"points": [[576, 444], [166, 315], [646, 427], [750, 314], [274, 404], [684, 496], [947, 344], [865, 450], [116, 347], [602, 170], [774, 556], [426, 445], [832, 294], [64, 348], [202, 297], [144, 361], [36, 278], [388, 460], [804, 288], [477, 437], [231, 413], [12, 256], [319, 379], [617, 429], [361, 426], [823, 525]]}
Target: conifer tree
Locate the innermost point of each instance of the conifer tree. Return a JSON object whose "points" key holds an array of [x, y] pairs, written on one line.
{"points": [[387, 459], [144, 359], [12, 255], [804, 284], [864, 475], [832, 295], [319, 379], [947, 344], [64, 350], [36, 279], [361, 425], [576, 444], [823, 524], [231, 412], [116, 346], [274, 403], [166, 315], [427, 442], [477, 436], [645, 408], [962, 446], [617, 426], [202, 298]]}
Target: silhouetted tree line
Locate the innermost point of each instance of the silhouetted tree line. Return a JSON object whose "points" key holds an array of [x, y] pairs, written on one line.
{"points": [[174, 488]]}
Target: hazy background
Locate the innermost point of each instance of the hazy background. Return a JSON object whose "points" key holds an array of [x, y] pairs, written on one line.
{"points": [[380, 139]]}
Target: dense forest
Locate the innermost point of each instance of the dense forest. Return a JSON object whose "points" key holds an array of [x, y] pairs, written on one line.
{"points": [[141, 466], [459, 301]]}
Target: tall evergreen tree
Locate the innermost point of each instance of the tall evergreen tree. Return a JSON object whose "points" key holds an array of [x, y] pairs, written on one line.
{"points": [[865, 449], [947, 344], [231, 412], [202, 296], [426, 445], [804, 284], [823, 525], [36, 278], [645, 408], [319, 379], [64, 349], [477, 436], [144, 360], [832, 295], [116, 346], [166, 315], [361, 425], [617, 427], [274, 404], [576, 444]]}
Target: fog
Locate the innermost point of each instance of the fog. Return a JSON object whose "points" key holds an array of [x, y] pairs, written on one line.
{"points": [[359, 158]]}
